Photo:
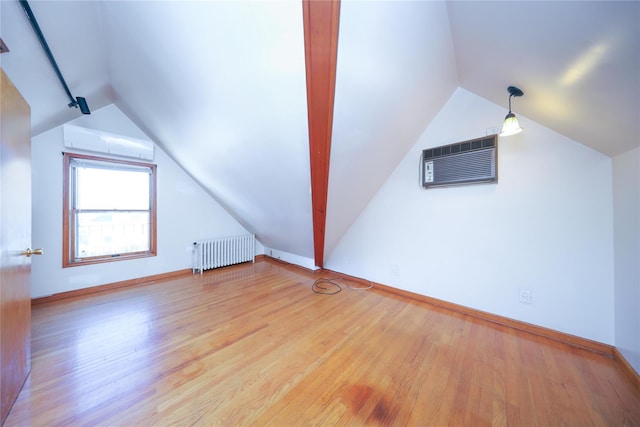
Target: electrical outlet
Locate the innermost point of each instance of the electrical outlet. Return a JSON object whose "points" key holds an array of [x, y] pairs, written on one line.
{"points": [[525, 297]]}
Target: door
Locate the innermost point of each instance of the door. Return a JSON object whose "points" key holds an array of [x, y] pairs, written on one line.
{"points": [[15, 239]]}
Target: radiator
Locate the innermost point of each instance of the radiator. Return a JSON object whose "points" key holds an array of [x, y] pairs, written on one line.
{"points": [[220, 252]]}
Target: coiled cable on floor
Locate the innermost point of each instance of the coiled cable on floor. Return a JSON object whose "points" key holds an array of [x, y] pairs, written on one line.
{"points": [[326, 287], [330, 286]]}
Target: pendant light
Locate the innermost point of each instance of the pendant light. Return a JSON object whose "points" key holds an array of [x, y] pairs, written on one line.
{"points": [[511, 126]]}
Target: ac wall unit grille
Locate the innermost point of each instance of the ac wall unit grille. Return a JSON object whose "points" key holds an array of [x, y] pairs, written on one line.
{"points": [[462, 163]]}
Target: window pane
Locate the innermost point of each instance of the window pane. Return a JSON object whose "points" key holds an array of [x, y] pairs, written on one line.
{"points": [[112, 189], [107, 233], [109, 210]]}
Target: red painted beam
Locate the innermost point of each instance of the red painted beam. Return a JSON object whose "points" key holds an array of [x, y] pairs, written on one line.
{"points": [[321, 18]]}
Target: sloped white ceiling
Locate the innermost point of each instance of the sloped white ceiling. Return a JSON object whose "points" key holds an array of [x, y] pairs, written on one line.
{"points": [[578, 63], [73, 32], [396, 69], [220, 86]]}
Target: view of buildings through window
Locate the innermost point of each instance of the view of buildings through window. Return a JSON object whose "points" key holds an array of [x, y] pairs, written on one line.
{"points": [[110, 209]]}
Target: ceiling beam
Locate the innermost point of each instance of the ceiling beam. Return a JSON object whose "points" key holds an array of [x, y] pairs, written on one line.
{"points": [[321, 51]]}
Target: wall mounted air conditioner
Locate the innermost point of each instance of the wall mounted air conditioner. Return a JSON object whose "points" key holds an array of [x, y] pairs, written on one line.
{"points": [[108, 143], [467, 162]]}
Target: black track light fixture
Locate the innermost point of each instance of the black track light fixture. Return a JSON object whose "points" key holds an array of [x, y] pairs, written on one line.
{"points": [[78, 102], [82, 103]]}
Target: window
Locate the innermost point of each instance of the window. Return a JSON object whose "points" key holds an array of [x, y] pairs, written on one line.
{"points": [[109, 210]]}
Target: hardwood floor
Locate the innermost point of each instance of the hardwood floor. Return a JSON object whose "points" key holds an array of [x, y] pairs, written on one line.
{"points": [[252, 344]]}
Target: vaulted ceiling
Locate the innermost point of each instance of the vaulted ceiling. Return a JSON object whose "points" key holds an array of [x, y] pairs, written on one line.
{"points": [[220, 86]]}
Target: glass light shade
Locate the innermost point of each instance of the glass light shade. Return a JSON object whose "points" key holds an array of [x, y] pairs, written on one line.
{"points": [[511, 126]]}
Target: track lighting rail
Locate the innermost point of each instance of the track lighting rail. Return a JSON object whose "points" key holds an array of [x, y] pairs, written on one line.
{"points": [[75, 102]]}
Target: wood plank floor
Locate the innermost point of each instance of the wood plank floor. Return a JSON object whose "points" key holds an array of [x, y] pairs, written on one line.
{"points": [[253, 345]]}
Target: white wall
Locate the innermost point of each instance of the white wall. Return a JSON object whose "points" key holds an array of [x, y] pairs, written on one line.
{"points": [[626, 199], [547, 227], [308, 263], [185, 213]]}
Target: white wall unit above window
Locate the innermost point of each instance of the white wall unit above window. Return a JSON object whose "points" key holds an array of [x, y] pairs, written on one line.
{"points": [[108, 143]]}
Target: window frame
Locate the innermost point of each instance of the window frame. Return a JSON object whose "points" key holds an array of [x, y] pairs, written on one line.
{"points": [[69, 231]]}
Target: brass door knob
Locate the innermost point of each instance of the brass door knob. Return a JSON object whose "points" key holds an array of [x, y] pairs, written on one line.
{"points": [[30, 252]]}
